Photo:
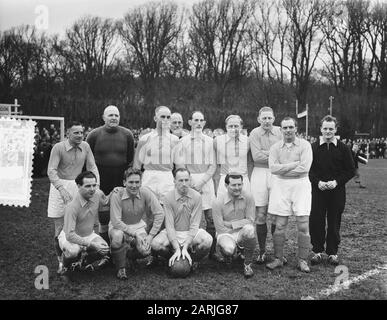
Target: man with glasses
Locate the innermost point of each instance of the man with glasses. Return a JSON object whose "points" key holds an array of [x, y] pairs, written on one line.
{"points": [[154, 152]]}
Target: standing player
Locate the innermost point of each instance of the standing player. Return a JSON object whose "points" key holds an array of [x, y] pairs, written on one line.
{"points": [[154, 152], [182, 235], [113, 149], [67, 159], [261, 139], [82, 248], [234, 215], [135, 218], [331, 169], [232, 150], [290, 161], [196, 152]]}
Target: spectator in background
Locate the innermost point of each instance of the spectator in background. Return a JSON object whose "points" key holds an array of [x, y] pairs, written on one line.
{"points": [[358, 156], [177, 125]]}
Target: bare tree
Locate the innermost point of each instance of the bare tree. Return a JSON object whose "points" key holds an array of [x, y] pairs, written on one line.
{"points": [[304, 41], [218, 35], [90, 47], [147, 32]]}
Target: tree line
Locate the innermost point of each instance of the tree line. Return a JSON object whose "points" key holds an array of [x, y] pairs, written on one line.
{"points": [[218, 56]]}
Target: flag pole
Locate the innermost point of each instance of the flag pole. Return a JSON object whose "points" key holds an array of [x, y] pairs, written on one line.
{"points": [[307, 115]]}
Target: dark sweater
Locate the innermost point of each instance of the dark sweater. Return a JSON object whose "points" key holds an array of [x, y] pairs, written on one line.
{"points": [[333, 163], [112, 147]]}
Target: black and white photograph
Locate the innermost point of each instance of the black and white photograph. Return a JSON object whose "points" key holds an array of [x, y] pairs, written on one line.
{"points": [[195, 156]]}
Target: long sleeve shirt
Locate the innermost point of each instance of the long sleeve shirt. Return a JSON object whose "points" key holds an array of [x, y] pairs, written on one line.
{"points": [[291, 161], [232, 153], [112, 147], [155, 151], [81, 216], [261, 141], [238, 211], [67, 161], [126, 211], [182, 213], [331, 162], [197, 154]]}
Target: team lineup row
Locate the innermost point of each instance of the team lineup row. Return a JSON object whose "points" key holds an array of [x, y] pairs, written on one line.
{"points": [[170, 182]]}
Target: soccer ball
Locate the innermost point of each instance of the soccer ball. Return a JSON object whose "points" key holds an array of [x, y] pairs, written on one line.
{"points": [[180, 268]]}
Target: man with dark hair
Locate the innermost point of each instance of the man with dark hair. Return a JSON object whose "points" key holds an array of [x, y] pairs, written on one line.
{"points": [[82, 248], [67, 159], [182, 237], [331, 169], [234, 215], [136, 217], [113, 149], [289, 161], [261, 139]]}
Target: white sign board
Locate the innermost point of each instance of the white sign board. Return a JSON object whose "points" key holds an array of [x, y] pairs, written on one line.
{"points": [[16, 155]]}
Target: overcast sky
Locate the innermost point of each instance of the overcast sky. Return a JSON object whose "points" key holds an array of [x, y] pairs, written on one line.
{"points": [[63, 13]]}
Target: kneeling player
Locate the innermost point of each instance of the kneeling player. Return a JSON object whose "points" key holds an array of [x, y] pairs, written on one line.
{"points": [[135, 218], [234, 214], [82, 248], [182, 236]]}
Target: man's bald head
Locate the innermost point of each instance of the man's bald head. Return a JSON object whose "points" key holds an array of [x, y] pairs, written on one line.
{"points": [[162, 117], [111, 116]]}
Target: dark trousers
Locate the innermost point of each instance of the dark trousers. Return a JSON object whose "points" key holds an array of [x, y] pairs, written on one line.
{"points": [[111, 177], [326, 206]]}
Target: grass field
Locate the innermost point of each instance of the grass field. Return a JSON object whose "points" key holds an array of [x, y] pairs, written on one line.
{"points": [[26, 242]]}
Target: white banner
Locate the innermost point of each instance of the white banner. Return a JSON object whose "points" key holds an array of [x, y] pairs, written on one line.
{"points": [[16, 154]]}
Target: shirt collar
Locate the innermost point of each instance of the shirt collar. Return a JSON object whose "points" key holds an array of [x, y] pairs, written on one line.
{"points": [[228, 138], [263, 131], [179, 196], [334, 141], [83, 201], [229, 198], [201, 136], [125, 195], [68, 146], [296, 142]]}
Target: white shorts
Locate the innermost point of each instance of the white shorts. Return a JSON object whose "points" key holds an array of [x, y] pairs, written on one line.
{"points": [[71, 249], [136, 228], [181, 235], [234, 235], [208, 190], [159, 182], [260, 186], [55, 202], [222, 188], [290, 196]]}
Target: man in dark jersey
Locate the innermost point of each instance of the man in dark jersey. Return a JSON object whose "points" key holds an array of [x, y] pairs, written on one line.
{"points": [[113, 149]]}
